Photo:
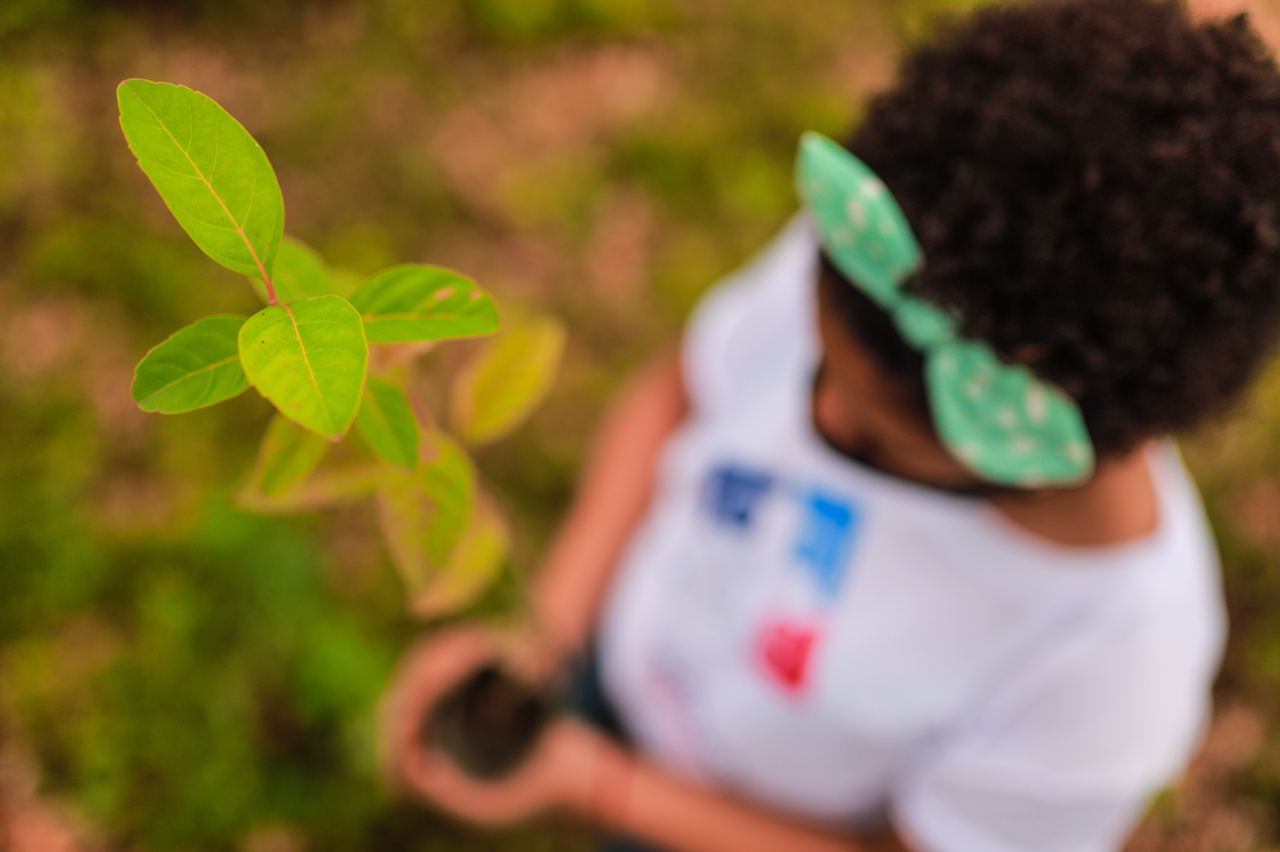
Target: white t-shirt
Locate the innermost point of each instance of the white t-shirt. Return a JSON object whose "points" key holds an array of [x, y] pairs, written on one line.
{"points": [[835, 642]]}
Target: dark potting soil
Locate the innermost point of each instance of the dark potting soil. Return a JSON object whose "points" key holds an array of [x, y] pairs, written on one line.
{"points": [[488, 723]]}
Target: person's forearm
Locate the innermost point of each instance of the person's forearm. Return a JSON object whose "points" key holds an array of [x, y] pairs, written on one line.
{"points": [[612, 497], [637, 798]]}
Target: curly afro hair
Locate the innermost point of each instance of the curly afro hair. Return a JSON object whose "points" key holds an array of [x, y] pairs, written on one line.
{"points": [[1095, 185]]}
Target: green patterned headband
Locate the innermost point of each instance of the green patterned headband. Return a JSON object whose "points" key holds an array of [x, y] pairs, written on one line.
{"points": [[997, 419]]}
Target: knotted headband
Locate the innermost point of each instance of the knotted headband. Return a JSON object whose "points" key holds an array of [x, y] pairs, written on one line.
{"points": [[997, 419]]}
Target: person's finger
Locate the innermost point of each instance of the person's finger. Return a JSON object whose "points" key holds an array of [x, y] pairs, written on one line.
{"points": [[529, 656], [431, 668], [435, 664], [438, 780]]}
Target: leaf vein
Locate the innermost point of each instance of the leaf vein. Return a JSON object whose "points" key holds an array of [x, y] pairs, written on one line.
{"points": [[187, 376], [212, 191], [311, 374]]}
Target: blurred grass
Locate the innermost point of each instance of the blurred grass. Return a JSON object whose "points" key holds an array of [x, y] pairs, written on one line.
{"points": [[185, 675]]}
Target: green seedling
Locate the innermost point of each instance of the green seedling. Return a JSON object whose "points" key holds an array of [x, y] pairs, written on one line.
{"points": [[307, 352]]}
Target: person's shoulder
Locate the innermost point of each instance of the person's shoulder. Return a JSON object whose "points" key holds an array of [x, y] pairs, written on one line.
{"points": [[755, 322], [1109, 709], [1125, 690], [768, 280], [1162, 630], [1176, 603]]}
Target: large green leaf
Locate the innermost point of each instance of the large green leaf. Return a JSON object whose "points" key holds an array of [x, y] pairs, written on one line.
{"points": [[287, 454], [499, 389], [309, 359], [424, 513], [211, 173], [417, 302], [472, 566], [195, 367], [387, 423], [299, 272]]}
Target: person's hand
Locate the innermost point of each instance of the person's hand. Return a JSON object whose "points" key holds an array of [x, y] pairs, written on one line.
{"points": [[433, 666], [557, 773], [571, 768]]}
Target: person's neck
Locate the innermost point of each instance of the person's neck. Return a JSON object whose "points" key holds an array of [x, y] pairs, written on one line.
{"points": [[1117, 505]]}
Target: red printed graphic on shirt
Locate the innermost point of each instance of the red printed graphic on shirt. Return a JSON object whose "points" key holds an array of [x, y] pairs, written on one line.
{"points": [[786, 648]]}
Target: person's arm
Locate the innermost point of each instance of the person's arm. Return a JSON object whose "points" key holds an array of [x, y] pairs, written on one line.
{"points": [[613, 494], [637, 798], [578, 770]]}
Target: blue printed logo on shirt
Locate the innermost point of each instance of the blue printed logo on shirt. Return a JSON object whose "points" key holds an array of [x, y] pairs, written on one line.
{"points": [[826, 538], [735, 492]]}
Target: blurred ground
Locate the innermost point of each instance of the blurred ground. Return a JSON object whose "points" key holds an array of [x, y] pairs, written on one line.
{"points": [[177, 674]]}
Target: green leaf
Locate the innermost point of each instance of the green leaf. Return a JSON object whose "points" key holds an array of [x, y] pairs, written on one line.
{"points": [[211, 173], [414, 302], [498, 390], [387, 423], [287, 454], [299, 272], [290, 474], [424, 513], [322, 489], [345, 282], [309, 359], [196, 367], [472, 566]]}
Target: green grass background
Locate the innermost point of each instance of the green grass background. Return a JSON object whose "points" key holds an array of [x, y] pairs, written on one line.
{"points": [[182, 675]]}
